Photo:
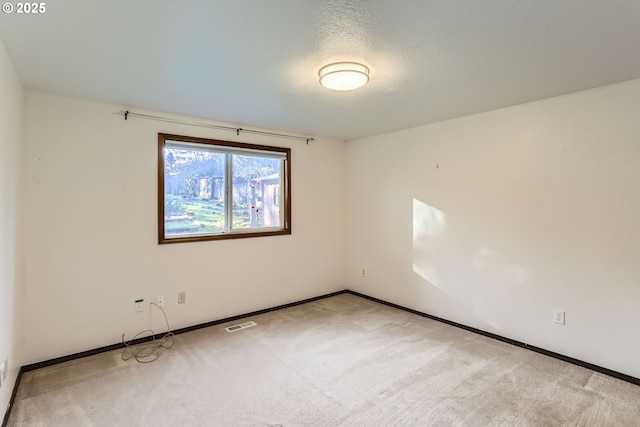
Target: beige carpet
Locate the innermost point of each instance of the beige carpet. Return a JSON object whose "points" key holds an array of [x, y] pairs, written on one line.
{"points": [[340, 361]]}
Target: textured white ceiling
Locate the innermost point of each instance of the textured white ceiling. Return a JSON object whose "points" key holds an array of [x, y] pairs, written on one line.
{"points": [[255, 62]]}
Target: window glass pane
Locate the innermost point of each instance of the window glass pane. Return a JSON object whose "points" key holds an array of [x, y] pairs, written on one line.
{"points": [[194, 187], [214, 190], [256, 191]]}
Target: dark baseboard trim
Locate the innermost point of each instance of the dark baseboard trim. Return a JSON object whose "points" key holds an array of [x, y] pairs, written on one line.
{"points": [[43, 364], [5, 420], [117, 346], [255, 313], [587, 365]]}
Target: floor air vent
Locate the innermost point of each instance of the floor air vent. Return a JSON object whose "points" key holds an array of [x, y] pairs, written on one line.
{"points": [[240, 326]]}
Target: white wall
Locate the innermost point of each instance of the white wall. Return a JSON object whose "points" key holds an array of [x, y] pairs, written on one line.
{"points": [[491, 220], [11, 251], [91, 232], [495, 219]]}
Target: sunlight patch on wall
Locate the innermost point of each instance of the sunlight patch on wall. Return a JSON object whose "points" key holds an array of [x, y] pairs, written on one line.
{"points": [[479, 258], [429, 224], [496, 266], [495, 325]]}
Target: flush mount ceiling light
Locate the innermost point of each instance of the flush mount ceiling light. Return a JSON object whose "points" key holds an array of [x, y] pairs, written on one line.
{"points": [[344, 76]]}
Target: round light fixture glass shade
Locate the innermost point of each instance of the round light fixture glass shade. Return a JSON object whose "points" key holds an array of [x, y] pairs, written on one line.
{"points": [[343, 76]]}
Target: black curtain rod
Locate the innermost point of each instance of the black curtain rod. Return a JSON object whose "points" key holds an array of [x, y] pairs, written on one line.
{"points": [[128, 114]]}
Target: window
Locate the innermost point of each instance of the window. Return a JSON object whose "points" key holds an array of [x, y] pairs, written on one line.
{"points": [[210, 189]]}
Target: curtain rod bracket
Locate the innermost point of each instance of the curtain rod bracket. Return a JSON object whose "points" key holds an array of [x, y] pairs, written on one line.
{"points": [[126, 114], [238, 131]]}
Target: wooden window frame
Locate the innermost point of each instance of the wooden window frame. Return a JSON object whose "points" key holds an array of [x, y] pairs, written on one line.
{"points": [[285, 191]]}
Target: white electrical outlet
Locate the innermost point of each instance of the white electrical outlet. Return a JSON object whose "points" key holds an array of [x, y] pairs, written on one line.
{"points": [[139, 305], [558, 317], [182, 297], [160, 300]]}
